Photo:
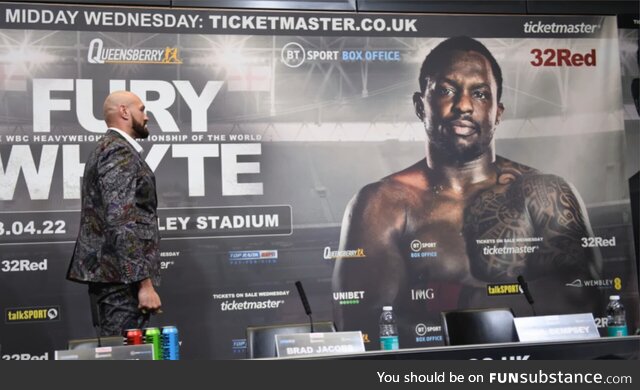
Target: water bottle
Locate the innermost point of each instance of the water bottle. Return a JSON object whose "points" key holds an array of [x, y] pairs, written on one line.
{"points": [[388, 329], [616, 317]]}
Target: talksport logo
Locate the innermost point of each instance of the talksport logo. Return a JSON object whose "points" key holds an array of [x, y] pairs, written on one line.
{"points": [[504, 289], [32, 314], [99, 54]]}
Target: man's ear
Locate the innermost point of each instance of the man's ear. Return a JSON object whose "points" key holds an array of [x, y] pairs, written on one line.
{"points": [[124, 111], [499, 113], [418, 105]]}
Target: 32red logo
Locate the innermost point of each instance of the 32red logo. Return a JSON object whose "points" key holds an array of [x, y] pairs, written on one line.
{"points": [[562, 57]]}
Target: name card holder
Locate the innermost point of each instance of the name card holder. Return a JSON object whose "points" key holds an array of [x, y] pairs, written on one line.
{"points": [[123, 352], [557, 327], [310, 344]]}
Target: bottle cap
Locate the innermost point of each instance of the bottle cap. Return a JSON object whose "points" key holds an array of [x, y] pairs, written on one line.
{"points": [[387, 308], [614, 297]]}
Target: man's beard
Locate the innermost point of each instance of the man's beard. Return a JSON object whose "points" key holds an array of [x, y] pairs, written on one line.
{"points": [[444, 143], [139, 128]]}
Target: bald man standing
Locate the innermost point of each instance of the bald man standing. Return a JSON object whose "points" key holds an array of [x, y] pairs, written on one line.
{"points": [[116, 252]]}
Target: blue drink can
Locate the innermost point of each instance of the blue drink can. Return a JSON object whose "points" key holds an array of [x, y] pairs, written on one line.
{"points": [[170, 345]]}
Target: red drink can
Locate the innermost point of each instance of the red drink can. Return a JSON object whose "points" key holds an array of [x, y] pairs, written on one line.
{"points": [[134, 336]]}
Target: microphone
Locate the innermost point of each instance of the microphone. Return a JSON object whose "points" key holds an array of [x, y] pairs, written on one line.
{"points": [[305, 303], [526, 292]]}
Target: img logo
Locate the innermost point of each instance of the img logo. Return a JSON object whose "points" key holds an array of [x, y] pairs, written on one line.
{"points": [[422, 294], [98, 54]]}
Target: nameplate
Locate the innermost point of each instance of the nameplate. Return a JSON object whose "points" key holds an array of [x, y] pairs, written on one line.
{"points": [[123, 352], [308, 344], [557, 327]]}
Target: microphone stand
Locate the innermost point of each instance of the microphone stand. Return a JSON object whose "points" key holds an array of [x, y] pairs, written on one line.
{"points": [[305, 303], [95, 316]]}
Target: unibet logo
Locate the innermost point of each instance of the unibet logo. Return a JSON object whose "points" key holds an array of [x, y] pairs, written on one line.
{"points": [[26, 356], [348, 297], [23, 265]]}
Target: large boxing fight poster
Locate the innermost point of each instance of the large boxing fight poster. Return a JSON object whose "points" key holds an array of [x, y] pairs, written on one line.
{"points": [[292, 146]]}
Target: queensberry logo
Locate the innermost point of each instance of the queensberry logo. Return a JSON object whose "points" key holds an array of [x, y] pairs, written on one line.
{"points": [[328, 254], [253, 257], [32, 314], [98, 54]]}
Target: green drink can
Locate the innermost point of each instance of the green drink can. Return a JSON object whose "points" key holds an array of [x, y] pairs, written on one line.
{"points": [[152, 336]]}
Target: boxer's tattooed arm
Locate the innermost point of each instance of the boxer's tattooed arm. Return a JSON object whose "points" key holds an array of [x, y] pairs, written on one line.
{"points": [[527, 205], [495, 218], [559, 218], [509, 171]]}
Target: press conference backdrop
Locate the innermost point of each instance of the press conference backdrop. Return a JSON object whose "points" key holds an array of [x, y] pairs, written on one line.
{"points": [[263, 126], [629, 60]]}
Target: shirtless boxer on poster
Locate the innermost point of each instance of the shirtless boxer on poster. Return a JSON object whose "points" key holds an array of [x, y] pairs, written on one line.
{"points": [[485, 219]]}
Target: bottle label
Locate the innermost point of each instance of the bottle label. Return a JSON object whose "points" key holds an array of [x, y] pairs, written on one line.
{"points": [[613, 331], [389, 342]]}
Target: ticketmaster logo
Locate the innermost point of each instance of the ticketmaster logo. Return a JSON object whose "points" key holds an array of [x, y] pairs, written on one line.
{"points": [[250, 305], [556, 28]]}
